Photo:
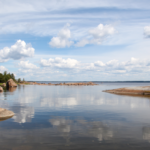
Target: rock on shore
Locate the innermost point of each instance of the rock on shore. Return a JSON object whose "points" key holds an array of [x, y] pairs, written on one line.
{"points": [[11, 83], [4, 114], [4, 85], [1, 89], [139, 90]]}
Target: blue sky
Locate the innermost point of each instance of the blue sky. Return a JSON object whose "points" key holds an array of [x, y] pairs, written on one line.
{"points": [[57, 40]]}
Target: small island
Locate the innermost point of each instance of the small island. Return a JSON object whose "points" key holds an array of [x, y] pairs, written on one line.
{"points": [[139, 90], [62, 84]]}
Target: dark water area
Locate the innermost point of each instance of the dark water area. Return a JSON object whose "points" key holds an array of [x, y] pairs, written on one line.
{"points": [[75, 118]]}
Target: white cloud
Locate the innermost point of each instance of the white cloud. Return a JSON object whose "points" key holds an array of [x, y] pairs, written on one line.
{"points": [[112, 62], [72, 69], [133, 61], [115, 67], [27, 65], [97, 35], [60, 63], [62, 40], [101, 32], [17, 51], [99, 63], [2, 69], [82, 43], [45, 5], [147, 31]]}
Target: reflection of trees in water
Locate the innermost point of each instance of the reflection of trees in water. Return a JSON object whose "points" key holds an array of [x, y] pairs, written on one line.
{"points": [[84, 128], [146, 133]]}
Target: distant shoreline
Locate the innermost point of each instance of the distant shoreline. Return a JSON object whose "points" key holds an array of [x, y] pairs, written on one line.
{"points": [[62, 84], [95, 81]]}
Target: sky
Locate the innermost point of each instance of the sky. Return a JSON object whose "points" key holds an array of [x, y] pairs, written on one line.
{"points": [[80, 40]]}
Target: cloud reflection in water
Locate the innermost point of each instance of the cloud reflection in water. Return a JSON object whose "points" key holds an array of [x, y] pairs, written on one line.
{"points": [[59, 102], [23, 114], [146, 133], [82, 128]]}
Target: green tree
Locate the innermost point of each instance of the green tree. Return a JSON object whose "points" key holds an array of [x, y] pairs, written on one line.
{"points": [[6, 76], [12, 76], [5, 73], [19, 80], [2, 79]]}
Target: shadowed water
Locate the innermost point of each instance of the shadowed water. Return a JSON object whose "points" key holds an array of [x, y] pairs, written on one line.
{"points": [[74, 117]]}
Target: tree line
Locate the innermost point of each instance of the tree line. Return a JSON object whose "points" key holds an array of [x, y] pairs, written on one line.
{"points": [[4, 77]]}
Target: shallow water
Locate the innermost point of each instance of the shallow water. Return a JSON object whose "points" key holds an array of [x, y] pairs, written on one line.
{"points": [[74, 117]]}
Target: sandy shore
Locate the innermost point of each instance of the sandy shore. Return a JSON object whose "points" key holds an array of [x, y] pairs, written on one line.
{"points": [[139, 90]]}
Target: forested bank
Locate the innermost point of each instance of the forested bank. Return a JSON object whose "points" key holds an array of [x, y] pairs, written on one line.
{"points": [[4, 77]]}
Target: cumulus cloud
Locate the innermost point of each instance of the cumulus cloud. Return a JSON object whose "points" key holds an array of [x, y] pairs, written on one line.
{"points": [[99, 63], [112, 63], [115, 67], [82, 43], [101, 32], [27, 65], [17, 51], [60, 63], [62, 40], [73, 69], [97, 35], [2, 69], [147, 31]]}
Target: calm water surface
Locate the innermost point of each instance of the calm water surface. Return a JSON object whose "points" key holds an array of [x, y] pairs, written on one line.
{"points": [[74, 117]]}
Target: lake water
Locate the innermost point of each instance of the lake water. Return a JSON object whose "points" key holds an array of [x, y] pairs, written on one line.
{"points": [[75, 118]]}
